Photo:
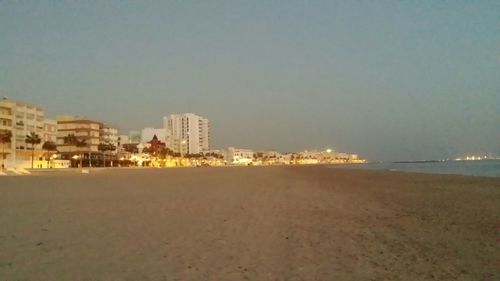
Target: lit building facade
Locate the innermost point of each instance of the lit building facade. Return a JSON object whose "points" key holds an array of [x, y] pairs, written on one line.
{"points": [[238, 156], [109, 135], [82, 129], [50, 131], [21, 119], [189, 133]]}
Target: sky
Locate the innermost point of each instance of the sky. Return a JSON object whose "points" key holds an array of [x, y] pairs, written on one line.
{"points": [[389, 80]]}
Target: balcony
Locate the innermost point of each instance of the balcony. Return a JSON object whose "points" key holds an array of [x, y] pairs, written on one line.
{"points": [[6, 116]]}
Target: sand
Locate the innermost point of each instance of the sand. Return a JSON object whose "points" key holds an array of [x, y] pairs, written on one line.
{"points": [[248, 223]]}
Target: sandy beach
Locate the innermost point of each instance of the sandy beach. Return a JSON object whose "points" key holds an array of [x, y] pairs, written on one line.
{"points": [[248, 223]]}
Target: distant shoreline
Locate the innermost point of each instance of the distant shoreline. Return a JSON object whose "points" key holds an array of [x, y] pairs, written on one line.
{"points": [[481, 168]]}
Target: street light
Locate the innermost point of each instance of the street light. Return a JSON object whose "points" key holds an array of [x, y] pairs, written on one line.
{"points": [[54, 156], [75, 157]]}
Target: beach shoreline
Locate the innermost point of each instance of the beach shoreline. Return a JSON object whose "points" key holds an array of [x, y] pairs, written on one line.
{"points": [[254, 223]]}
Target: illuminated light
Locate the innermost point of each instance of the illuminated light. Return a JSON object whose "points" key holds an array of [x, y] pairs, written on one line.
{"points": [[328, 151]]}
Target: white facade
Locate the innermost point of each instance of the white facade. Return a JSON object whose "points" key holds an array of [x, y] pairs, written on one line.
{"points": [[50, 131], [189, 133], [238, 156], [21, 118], [109, 135]]}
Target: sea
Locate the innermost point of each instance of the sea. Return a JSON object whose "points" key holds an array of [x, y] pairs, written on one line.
{"points": [[483, 168]]}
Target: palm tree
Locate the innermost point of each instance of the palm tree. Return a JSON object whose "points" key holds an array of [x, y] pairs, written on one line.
{"points": [[105, 147], [70, 139], [5, 137], [130, 148], [81, 143], [49, 146], [73, 140], [111, 147], [33, 139]]}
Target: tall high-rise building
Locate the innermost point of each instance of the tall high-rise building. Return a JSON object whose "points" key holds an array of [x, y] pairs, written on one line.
{"points": [[189, 133]]}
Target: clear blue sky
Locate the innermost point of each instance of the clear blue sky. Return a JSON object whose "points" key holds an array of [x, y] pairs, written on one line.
{"points": [[391, 80]]}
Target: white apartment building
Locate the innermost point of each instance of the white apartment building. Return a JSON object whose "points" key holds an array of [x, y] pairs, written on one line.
{"points": [[238, 156], [123, 139], [189, 133], [50, 131], [21, 118], [109, 135]]}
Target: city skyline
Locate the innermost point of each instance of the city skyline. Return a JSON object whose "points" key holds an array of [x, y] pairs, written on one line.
{"points": [[390, 81]]}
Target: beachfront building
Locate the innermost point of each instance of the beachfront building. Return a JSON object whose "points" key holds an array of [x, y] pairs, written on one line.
{"points": [[326, 157], [189, 133], [78, 140], [50, 131], [123, 139], [86, 135], [270, 157], [133, 138], [238, 156], [109, 135], [218, 153], [349, 158], [308, 157], [109, 144], [7, 121], [21, 119]]}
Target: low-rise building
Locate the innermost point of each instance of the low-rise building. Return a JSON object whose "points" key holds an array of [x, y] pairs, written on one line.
{"points": [[85, 131], [238, 156]]}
